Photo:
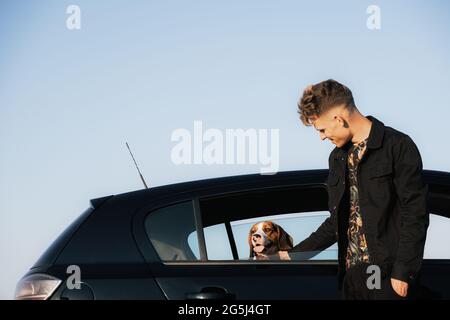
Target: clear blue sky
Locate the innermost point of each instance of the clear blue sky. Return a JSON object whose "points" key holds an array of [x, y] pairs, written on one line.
{"points": [[137, 70]]}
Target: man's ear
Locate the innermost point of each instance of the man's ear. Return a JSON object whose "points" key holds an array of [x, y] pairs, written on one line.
{"points": [[341, 120]]}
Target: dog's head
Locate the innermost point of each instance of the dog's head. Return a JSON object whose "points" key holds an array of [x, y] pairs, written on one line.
{"points": [[267, 238]]}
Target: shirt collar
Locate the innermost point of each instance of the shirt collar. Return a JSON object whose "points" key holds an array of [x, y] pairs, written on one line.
{"points": [[376, 134], [374, 141]]}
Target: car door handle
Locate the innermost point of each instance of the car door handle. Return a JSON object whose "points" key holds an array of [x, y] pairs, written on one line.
{"points": [[211, 293]]}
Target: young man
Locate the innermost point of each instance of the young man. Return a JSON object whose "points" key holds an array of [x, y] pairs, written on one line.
{"points": [[377, 198]]}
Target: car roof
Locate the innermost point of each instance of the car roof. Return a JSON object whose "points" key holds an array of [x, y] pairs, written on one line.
{"points": [[228, 182], [250, 180]]}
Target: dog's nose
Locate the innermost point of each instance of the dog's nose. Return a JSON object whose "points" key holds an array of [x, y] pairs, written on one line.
{"points": [[256, 236]]}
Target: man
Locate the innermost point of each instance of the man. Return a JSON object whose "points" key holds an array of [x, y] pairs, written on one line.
{"points": [[377, 198]]}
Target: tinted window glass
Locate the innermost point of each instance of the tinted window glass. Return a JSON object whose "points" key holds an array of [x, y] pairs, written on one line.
{"points": [[169, 229]]}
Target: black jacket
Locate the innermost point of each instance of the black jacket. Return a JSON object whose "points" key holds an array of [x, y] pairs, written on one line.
{"points": [[392, 198]]}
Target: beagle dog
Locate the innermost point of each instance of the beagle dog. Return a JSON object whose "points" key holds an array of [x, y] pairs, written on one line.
{"points": [[266, 239]]}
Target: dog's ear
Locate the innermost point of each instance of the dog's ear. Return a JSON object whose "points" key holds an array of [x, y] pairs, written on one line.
{"points": [[285, 241], [252, 253]]}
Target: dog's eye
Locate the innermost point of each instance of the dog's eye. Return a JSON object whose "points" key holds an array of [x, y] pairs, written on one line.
{"points": [[267, 230]]}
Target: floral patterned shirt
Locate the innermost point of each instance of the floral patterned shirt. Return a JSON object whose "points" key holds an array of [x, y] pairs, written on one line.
{"points": [[357, 250]]}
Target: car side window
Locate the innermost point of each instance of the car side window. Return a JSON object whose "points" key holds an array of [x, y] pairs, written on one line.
{"points": [[297, 225], [438, 229], [217, 244], [298, 210], [168, 230]]}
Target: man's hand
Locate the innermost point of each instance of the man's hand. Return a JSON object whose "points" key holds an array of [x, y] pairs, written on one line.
{"points": [[284, 255], [400, 287]]}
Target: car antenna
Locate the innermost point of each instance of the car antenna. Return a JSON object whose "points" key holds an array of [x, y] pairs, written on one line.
{"points": [[140, 174]]}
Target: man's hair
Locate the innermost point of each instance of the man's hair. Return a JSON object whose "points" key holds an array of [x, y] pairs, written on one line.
{"points": [[321, 97]]}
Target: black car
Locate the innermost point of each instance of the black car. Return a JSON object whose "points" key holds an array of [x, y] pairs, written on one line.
{"points": [[190, 241]]}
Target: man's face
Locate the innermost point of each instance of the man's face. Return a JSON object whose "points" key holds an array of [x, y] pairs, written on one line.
{"points": [[332, 126]]}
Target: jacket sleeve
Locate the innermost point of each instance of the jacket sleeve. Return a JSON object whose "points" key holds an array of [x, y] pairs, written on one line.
{"points": [[324, 236], [412, 194]]}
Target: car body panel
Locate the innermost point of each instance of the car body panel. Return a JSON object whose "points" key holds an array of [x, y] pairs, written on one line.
{"points": [[118, 261]]}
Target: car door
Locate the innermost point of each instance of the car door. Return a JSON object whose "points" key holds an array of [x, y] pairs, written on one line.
{"points": [[201, 252]]}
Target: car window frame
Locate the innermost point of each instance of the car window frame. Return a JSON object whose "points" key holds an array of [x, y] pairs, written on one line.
{"points": [[150, 254], [151, 257], [232, 241]]}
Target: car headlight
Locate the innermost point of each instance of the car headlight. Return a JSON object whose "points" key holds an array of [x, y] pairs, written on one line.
{"points": [[36, 287]]}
